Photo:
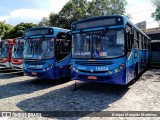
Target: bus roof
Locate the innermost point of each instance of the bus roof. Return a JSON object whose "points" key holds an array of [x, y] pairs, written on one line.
{"points": [[125, 19], [57, 28]]}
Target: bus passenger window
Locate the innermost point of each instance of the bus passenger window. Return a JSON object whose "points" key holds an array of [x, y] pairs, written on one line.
{"points": [[129, 42], [136, 42], [140, 42], [128, 37]]}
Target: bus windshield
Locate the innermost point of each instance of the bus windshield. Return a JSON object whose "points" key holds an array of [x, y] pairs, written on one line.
{"points": [[99, 44], [4, 50], [17, 51], [39, 48]]}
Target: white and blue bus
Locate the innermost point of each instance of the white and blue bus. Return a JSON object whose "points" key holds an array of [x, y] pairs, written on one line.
{"points": [[108, 49], [47, 52]]}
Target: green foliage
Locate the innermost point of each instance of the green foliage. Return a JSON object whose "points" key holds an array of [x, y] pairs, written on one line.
{"points": [[156, 13], [78, 9], [4, 28], [18, 30], [106, 7], [72, 11], [44, 22]]}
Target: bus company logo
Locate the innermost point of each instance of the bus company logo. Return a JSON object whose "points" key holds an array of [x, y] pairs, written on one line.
{"points": [[6, 114], [32, 66], [36, 66], [81, 68], [39, 66]]}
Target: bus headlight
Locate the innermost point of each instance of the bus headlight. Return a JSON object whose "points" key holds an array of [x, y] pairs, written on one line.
{"points": [[110, 72], [121, 67], [74, 69], [115, 70], [52, 65]]}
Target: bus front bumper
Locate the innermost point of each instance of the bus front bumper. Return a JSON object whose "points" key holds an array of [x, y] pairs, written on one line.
{"points": [[5, 65], [117, 78]]}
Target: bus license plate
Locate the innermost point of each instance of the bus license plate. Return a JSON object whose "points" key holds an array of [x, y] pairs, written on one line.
{"points": [[92, 77], [33, 73]]}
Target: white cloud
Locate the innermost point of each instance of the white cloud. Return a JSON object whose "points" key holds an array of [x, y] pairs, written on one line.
{"points": [[34, 15], [56, 5], [141, 11], [25, 15]]}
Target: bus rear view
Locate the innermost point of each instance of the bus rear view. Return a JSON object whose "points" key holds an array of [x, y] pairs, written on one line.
{"points": [[100, 52], [47, 53]]}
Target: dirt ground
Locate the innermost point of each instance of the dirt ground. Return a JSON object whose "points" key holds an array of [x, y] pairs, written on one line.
{"points": [[22, 93]]}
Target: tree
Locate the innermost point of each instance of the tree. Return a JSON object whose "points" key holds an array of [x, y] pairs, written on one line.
{"points": [[54, 19], [106, 7], [4, 28], [18, 30], [44, 22], [156, 13], [72, 11], [78, 9]]}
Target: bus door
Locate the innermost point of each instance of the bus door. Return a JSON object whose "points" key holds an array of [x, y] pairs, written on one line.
{"points": [[63, 47], [137, 53], [130, 54]]}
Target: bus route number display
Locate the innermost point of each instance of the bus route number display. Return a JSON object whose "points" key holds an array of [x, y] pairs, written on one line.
{"points": [[35, 32]]}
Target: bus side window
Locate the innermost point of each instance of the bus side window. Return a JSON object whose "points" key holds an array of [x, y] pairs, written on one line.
{"points": [[135, 40], [63, 45], [128, 37], [140, 41], [145, 43]]}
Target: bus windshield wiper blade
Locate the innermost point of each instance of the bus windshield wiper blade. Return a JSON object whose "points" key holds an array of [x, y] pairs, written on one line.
{"points": [[30, 45]]}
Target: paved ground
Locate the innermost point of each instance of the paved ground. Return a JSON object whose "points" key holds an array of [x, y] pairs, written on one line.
{"points": [[22, 93]]}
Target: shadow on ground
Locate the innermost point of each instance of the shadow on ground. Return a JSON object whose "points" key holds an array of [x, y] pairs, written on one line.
{"points": [[28, 86], [10, 75], [88, 97]]}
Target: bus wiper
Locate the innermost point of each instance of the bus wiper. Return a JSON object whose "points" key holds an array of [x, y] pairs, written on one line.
{"points": [[30, 44], [41, 39], [40, 42], [37, 45]]}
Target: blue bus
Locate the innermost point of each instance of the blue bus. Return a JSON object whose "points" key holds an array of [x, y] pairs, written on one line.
{"points": [[47, 52], [108, 49]]}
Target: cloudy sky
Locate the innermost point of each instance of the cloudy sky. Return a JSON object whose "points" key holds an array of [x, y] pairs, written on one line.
{"points": [[16, 11]]}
